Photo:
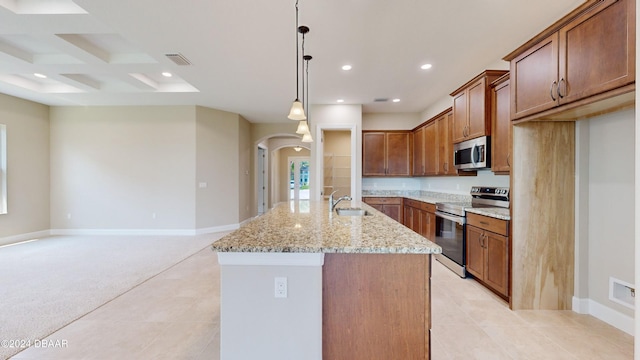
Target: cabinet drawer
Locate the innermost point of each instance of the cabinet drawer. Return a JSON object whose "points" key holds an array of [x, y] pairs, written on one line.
{"points": [[488, 223], [383, 200], [412, 203], [428, 207]]}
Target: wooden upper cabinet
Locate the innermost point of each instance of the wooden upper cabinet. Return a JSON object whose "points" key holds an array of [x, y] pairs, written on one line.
{"points": [[501, 126], [534, 76], [445, 144], [418, 152], [472, 107], [589, 52], [398, 150], [597, 50], [431, 149], [386, 153], [460, 116], [374, 154]]}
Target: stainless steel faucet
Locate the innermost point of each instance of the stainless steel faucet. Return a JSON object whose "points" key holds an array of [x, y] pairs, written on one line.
{"points": [[332, 204]]}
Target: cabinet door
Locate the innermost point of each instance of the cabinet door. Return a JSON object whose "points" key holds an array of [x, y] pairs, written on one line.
{"points": [[445, 145], [378, 207], [393, 211], [597, 50], [431, 225], [496, 272], [431, 149], [422, 222], [418, 152], [408, 217], [373, 154], [501, 128], [460, 112], [477, 100], [398, 154], [475, 251], [534, 79]]}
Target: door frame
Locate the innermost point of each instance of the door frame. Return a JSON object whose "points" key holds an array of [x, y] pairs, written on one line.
{"points": [[318, 163]]}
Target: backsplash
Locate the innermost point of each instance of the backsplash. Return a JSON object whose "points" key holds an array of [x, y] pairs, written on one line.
{"points": [[454, 185], [418, 193]]}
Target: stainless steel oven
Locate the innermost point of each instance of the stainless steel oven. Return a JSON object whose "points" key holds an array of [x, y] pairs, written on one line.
{"points": [[451, 224], [451, 236]]}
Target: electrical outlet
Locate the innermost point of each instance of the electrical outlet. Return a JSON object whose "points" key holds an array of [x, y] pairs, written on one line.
{"points": [[281, 287]]}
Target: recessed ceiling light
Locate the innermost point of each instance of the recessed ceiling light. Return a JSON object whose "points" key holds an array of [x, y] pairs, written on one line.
{"points": [[167, 74], [41, 76], [346, 67], [425, 66], [340, 100], [396, 100]]}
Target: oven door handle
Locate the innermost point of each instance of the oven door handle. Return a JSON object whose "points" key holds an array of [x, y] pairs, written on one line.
{"points": [[457, 219]]}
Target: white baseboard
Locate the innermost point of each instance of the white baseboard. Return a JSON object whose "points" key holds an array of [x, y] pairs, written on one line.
{"points": [[216, 229], [134, 232], [24, 237], [606, 314], [130, 232]]}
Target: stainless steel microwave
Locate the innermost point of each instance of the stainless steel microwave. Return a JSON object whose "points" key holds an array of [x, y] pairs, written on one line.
{"points": [[473, 154]]}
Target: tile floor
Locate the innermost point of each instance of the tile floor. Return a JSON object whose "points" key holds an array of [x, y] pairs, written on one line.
{"points": [[175, 315]]}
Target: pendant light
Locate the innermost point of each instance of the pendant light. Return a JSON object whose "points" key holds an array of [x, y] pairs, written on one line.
{"points": [[303, 127], [297, 109]]}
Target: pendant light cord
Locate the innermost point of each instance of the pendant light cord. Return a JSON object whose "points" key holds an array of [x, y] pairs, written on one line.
{"points": [[304, 106], [297, 57]]}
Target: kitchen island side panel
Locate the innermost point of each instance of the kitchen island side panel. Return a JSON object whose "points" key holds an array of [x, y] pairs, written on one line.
{"points": [[376, 306]]}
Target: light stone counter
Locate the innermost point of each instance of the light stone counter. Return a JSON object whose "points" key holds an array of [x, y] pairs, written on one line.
{"points": [[307, 227], [494, 212]]}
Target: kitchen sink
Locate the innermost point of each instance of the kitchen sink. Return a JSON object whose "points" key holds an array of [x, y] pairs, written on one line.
{"points": [[352, 212]]}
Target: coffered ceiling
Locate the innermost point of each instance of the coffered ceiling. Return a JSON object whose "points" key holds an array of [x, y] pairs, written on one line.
{"points": [[239, 55]]}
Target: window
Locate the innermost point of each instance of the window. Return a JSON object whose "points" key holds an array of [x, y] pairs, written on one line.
{"points": [[3, 169]]}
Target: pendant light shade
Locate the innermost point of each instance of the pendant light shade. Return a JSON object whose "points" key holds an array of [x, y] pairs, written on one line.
{"points": [[297, 111], [303, 127], [306, 138]]}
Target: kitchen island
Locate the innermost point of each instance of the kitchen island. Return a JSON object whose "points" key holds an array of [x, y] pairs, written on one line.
{"points": [[301, 283]]}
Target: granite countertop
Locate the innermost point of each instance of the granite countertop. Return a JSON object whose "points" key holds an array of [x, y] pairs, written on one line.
{"points": [[434, 197], [307, 227], [494, 212]]}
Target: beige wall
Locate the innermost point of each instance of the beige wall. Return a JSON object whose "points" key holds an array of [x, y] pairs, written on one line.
{"points": [[391, 121], [113, 168], [27, 167], [611, 205], [335, 117], [247, 201], [221, 172]]}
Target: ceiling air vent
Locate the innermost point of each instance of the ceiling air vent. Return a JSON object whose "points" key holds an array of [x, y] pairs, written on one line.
{"points": [[179, 59], [380, 100]]}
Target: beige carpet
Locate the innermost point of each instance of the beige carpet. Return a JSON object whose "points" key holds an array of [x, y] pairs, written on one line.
{"points": [[46, 284]]}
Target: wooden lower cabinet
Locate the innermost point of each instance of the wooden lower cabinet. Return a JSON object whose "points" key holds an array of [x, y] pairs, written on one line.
{"points": [[376, 306], [420, 217], [487, 252], [390, 206]]}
